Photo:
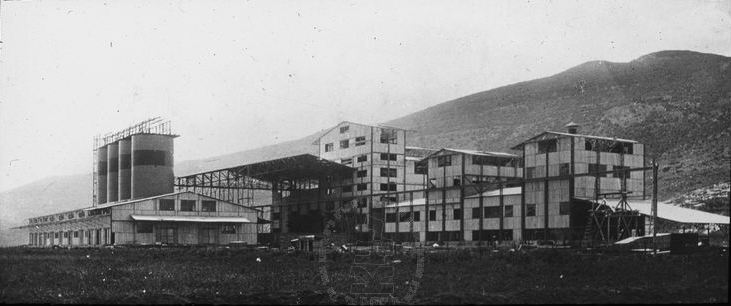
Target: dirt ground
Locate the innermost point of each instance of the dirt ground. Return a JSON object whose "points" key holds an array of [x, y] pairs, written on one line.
{"points": [[221, 276]]}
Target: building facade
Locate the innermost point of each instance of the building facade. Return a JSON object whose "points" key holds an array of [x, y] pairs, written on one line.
{"points": [[182, 218]]}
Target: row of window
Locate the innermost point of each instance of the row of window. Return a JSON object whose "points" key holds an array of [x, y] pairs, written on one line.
{"points": [[147, 228], [494, 211], [551, 145], [364, 186], [388, 136], [186, 205], [364, 158], [565, 169]]}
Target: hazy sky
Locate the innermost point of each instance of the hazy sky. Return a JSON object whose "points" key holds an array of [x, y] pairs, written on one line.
{"points": [[236, 75]]}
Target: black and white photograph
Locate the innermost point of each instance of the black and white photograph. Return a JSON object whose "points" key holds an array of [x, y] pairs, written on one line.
{"points": [[354, 152]]}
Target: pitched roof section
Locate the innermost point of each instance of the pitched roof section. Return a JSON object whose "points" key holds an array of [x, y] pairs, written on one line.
{"points": [[678, 213], [473, 152], [520, 145], [107, 205], [325, 132]]}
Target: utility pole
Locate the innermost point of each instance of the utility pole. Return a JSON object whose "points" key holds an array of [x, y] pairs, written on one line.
{"points": [[654, 207]]}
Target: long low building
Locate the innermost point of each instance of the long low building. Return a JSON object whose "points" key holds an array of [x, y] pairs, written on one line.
{"points": [[181, 218]]}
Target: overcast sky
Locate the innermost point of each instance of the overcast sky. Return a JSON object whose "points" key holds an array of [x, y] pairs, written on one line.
{"points": [[236, 75]]}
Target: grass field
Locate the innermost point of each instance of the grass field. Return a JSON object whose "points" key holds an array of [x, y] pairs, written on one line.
{"points": [[234, 276]]}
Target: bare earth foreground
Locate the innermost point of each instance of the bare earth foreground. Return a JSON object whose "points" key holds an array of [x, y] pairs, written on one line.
{"points": [[199, 275]]}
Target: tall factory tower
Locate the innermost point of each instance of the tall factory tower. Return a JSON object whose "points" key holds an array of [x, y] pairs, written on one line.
{"points": [[134, 163]]}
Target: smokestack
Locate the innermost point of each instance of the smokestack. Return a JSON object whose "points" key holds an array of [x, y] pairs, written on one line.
{"points": [[572, 128]]}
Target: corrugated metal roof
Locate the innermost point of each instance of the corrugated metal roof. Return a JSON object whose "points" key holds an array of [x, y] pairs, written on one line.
{"points": [[518, 146], [191, 219], [678, 214], [496, 192]]}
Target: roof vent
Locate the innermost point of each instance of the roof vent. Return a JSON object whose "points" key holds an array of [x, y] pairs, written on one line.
{"points": [[572, 127]]}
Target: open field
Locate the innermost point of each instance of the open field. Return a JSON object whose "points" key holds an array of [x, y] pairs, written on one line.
{"points": [[234, 276]]}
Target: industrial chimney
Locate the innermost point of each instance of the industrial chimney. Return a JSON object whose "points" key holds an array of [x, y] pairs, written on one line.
{"points": [[572, 127]]}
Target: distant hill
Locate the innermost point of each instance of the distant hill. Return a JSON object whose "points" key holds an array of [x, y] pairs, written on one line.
{"points": [[676, 102]]}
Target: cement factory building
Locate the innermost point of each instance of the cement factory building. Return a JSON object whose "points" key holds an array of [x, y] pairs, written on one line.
{"points": [[564, 187]]}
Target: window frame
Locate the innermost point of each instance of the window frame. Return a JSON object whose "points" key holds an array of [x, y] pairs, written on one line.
{"points": [[160, 203], [183, 202], [208, 202]]}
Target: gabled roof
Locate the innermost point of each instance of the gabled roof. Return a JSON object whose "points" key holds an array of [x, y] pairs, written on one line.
{"points": [[112, 204], [520, 145], [325, 132], [473, 152]]}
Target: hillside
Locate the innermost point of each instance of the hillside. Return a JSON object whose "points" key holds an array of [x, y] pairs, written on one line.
{"points": [[676, 102]]}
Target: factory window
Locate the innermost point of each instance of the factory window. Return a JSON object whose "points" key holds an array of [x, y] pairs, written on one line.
{"points": [[420, 169], [55, 235], [547, 146], [596, 168], [443, 161], [530, 172], [388, 156], [346, 161], [228, 229], [187, 205], [564, 208], [348, 188], [530, 210], [388, 136], [388, 172], [488, 160], [404, 216], [564, 169], [391, 217], [144, 227], [81, 214], [60, 217], [417, 216], [457, 181], [362, 186], [457, 214], [65, 234], [45, 219], [52, 218], [208, 206], [76, 234], [508, 210], [344, 144], [362, 173], [388, 187], [476, 213], [492, 212], [167, 204], [362, 158], [360, 141], [620, 174], [148, 158], [389, 199], [432, 215], [344, 129], [328, 147], [70, 216], [362, 202], [627, 148]]}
